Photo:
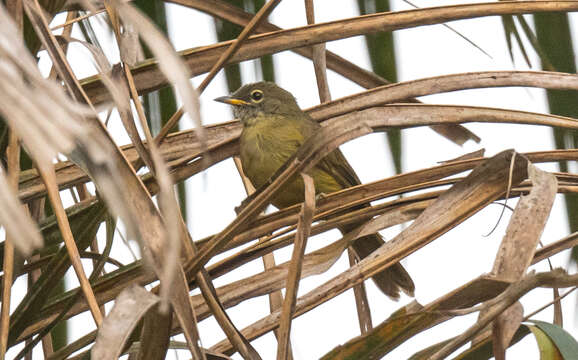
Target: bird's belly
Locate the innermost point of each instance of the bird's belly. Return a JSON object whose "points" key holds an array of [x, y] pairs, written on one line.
{"points": [[262, 159]]}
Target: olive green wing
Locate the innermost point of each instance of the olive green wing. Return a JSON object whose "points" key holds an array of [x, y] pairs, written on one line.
{"points": [[338, 167], [334, 164]]}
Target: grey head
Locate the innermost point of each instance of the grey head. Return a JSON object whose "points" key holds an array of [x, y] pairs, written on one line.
{"points": [[260, 98]]}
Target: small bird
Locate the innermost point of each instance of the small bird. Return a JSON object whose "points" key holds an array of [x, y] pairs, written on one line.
{"points": [[274, 127]]}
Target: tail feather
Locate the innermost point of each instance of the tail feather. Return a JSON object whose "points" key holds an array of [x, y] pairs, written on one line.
{"points": [[391, 280]]}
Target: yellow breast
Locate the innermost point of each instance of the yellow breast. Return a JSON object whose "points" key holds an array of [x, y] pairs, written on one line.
{"points": [[266, 144]]}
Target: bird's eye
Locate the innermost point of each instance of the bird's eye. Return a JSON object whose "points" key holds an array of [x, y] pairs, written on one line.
{"points": [[257, 96]]}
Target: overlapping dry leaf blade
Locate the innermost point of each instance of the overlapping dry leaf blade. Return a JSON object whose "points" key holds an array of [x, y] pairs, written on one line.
{"points": [[59, 117]]}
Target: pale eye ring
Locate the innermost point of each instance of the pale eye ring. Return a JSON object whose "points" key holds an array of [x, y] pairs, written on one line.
{"points": [[257, 96]]}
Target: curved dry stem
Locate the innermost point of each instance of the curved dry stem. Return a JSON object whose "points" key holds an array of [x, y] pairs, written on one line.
{"points": [[199, 61]]}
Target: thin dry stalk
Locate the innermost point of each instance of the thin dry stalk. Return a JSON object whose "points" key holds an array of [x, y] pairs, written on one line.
{"points": [[133, 273], [294, 275], [558, 314], [13, 157], [268, 259], [37, 212], [319, 56], [518, 247], [83, 194], [65, 33], [313, 150], [240, 343], [40, 23], [201, 60], [8, 268], [145, 154], [482, 186], [367, 79], [361, 301], [557, 278], [319, 59], [221, 137], [71, 21], [401, 91], [171, 65], [124, 109], [261, 15], [49, 178], [556, 300], [211, 298], [555, 247], [235, 45], [168, 203], [186, 314]]}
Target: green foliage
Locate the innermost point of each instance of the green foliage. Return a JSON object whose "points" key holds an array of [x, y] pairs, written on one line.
{"points": [[381, 49], [556, 340], [554, 36], [161, 104]]}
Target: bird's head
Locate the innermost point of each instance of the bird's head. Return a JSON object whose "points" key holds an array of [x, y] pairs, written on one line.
{"points": [[260, 99]]}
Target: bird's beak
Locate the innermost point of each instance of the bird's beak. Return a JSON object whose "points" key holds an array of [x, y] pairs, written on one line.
{"points": [[231, 100]]}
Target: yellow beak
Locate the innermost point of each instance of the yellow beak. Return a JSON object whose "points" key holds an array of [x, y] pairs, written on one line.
{"points": [[231, 100]]}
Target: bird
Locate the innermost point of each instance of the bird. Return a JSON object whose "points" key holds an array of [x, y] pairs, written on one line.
{"points": [[274, 127]]}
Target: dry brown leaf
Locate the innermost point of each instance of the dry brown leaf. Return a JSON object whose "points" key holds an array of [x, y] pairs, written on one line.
{"points": [[413, 319], [367, 189], [313, 150], [134, 274], [555, 247], [313, 263], [472, 155], [420, 318], [518, 247], [13, 164], [168, 61], [367, 79], [155, 335], [259, 17], [185, 146], [134, 204], [16, 220], [410, 115], [130, 49], [361, 300], [526, 226], [148, 77], [482, 186], [130, 306], [400, 92], [55, 124], [389, 184], [70, 129], [255, 286], [504, 328], [295, 268], [557, 278]]}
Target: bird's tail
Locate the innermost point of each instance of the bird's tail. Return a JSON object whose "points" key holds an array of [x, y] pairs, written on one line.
{"points": [[391, 280]]}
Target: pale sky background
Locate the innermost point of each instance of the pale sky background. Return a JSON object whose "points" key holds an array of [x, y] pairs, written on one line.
{"points": [[447, 263]]}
